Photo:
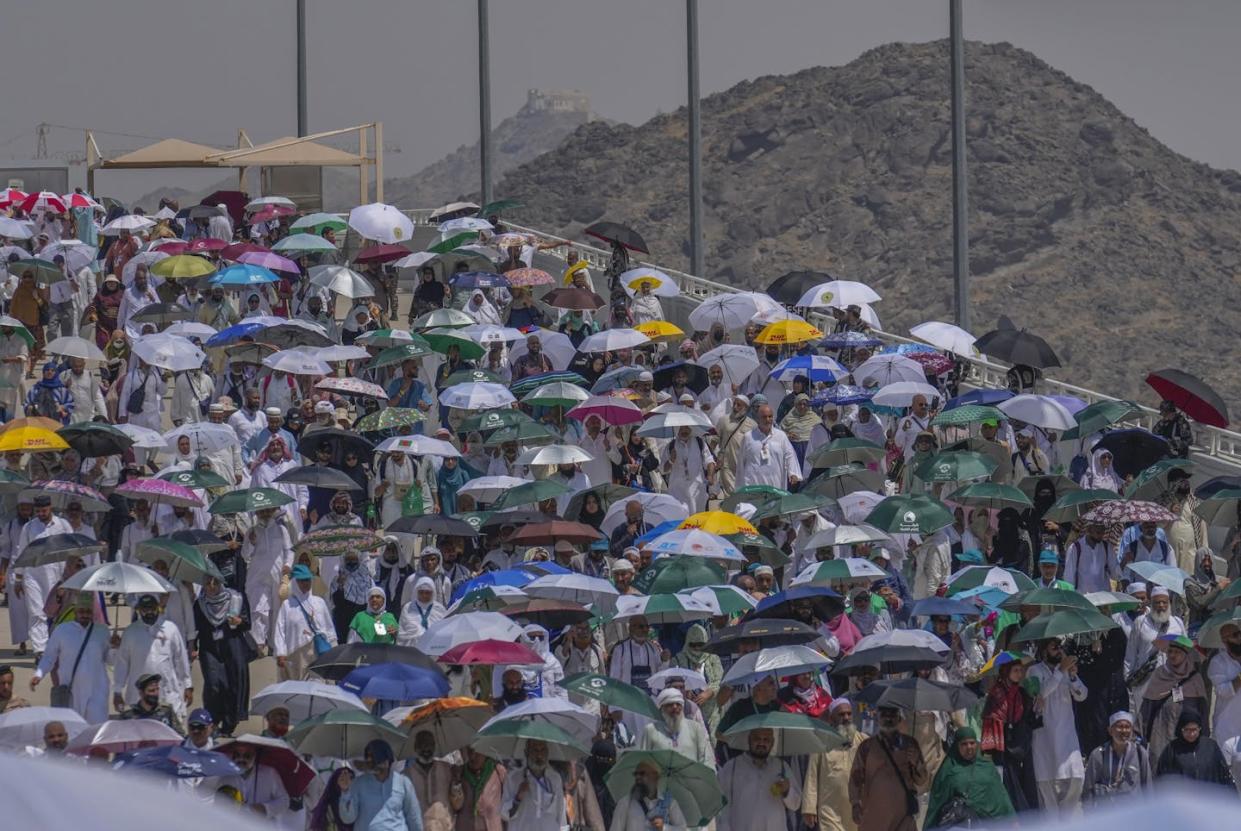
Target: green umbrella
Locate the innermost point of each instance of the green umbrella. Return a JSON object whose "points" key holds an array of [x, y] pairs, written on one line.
{"points": [[730, 599], [1113, 601], [45, 272], [990, 495], [315, 223], [956, 466], [528, 433], [1075, 503], [419, 348], [383, 338], [1064, 623], [971, 577], [389, 418], [507, 740], [1153, 481], [1051, 598], [443, 339], [185, 562], [472, 376], [612, 692], [673, 574], [453, 242], [910, 514], [769, 554], [1210, 636], [662, 608], [1221, 508], [794, 503], [1098, 415], [443, 318], [11, 481], [606, 493], [498, 206], [845, 479], [92, 439], [529, 493], [247, 500], [847, 451], [968, 414], [756, 495], [195, 478], [19, 329], [342, 734], [556, 394], [692, 785], [493, 420], [532, 382], [796, 734]]}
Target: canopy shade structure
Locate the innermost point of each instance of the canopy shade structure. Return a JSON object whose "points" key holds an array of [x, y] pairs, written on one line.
{"points": [[166, 153]]}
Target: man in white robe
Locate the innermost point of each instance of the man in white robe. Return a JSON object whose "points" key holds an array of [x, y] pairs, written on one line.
{"points": [[14, 354], [675, 732], [151, 645], [908, 428], [1224, 673], [598, 444], [731, 427], [137, 532], [300, 618], [638, 809], [533, 798], [766, 456], [262, 790], [83, 385], [89, 681], [37, 581], [688, 468], [138, 296], [757, 788], [1089, 565], [932, 564], [1058, 766], [1145, 632], [269, 551]]}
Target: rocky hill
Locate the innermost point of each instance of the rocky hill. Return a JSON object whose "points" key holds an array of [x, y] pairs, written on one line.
{"points": [[1083, 227]]}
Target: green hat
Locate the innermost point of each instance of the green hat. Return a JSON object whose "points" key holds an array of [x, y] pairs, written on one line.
{"points": [[964, 733], [990, 422]]}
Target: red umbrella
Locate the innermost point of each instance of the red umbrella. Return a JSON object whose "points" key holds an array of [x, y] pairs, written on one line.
{"points": [[1119, 511], [491, 652], [44, 200], [173, 247], [232, 252], [280, 757], [383, 253], [551, 614], [547, 533], [79, 200], [933, 363], [1191, 395], [207, 245], [12, 196], [269, 212]]}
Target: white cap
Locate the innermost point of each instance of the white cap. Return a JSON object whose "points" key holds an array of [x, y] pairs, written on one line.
{"points": [[669, 695], [1120, 715], [686, 397], [621, 564], [1159, 591], [274, 411], [1136, 587], [645, 375], [324, 407], [837, 703]]}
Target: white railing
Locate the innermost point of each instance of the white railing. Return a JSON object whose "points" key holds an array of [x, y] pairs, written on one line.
{"points": [[1212, 442]]}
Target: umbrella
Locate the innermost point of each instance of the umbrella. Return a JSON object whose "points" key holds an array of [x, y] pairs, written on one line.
{"points": [[184, 561], [547, 533], [45, 272], [1132, 450], [454, 722], [695, 542], [837, 294], [900, 650], [178, 761], [656, 507], [204, 541], [160, 314], [956, 466], [661, 608], [189, 329], [353, 386], [1061, 484], [1221, 507], [902, 393], [990, 495], [723, 600], [389, 418], [1111, 602], [789, 332], [756, 495], [303, 244], [615, 693], [815, 367], [967, 414], [599, 594], [943, 606], [549, 614], [318, 476], [342, 734], [1073, 504], [57, 548], [737, 361], [1125, 511], [888, 369], [94, 439], [507, 740], [554, 454], [788, 288], [341, 442], [31, 440], [75, 347], [719, 522], [1160, 574], [692, 785], [791, 505], [1007, 580], [1153, 482], [418, 445], [441, 318], [489, 652], [315, 223], [1191, 395], [667, 425], [780, 661], [124, 735], [1016, 346], [619, 234], [696, 375], [22, 727], [846, 451], [160, 491], [486, 489], [119, 578], [527, 277], [294, 773], [846, 535], [825, 602], [241, 275], [478, 280], [394, 682], [1210, 636], [343, 281], [795, 734], [338, 541], [915, 695], [380, 222], [63, 493], [910, 514], [1049, 599], [458, 630], [304, 699], [946, 336], [296, 362], [658, 330], [436, 524], [845, 569], [573, 299], [1098, 415], [1039, 410], [476, 396], [668, 575], [611, 340], [611, 410], [248, 500], [1064, 623], [170, 352], [556, 711], [557, 394], [339, 661], [183, 266], [767, 631]]}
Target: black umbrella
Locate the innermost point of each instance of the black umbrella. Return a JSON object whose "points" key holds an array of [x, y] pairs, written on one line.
{"points": [[622, 234], [767, 631], [205, 211], [161, 313], [290, 336], [697, 375], [339, 440], [788, 288], [339, 661], [94, 439], [319, 476], [550, 614], [890, 660], [204, 541], [1133, 450], [443, 526], [1191, 395], [914, 694], [1016, 346], [57, 548], [1213, 486], [517, 518]]}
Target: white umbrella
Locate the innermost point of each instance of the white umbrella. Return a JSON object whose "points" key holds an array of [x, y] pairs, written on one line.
{"points": [[78, 255], [918, 638], [1039, 410], [418, 446], [123, 735], [465, 223], [144, 437], [344, 281], [738, 361], [14, 229], [664, 286], [23, 727], [887, 369], [204, 436], [489, 488], [414, 260], [666, 424], [128, 222], [946, 336], [75, 347], [284, 201], [662, 608], [776, 315], [191, 329], [597, 593], [455, 630], [487, 334], [711, 596], [694, 542], [147, 258], [857, 506], [554, 454], [902, 393], [657, 508], [610, 340], [693, 680], [380, 222], [838, 294], [556, 346], [170, 352], [996, 577], [296, 362], [780, 661], [561, 712], [732, 311], [476, 395], [341, 353], [846, 535], [304, 699], [119, 578], [452, 208]]}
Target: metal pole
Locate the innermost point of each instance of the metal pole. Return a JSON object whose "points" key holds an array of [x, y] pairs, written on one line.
{"points": [[695, 141], [301, 68], [484, 101], [960, 212]]}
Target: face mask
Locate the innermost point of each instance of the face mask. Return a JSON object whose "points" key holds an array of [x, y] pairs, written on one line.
{"points": [[352, 565], [149, 617], [279, 729]]}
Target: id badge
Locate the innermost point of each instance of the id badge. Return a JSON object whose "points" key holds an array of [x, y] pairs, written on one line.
{"points": [[380, 629]]}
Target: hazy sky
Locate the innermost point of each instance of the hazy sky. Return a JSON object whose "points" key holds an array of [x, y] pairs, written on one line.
{"points": [[200, 71]]}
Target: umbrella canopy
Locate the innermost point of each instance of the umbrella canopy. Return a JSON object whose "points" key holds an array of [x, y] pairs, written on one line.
{"points": [[1016, 346], [31, 440], [780, 661], [547, 533], [611, 691], [615, 232], [119, 578], [394, 682], [692, 785], [825, 602], [1152, 483], [489, 652], [319, 476], [1098, 415], [667, 575], [1191, 395], [788, 288], [294, 773], [694, 542], [380, 222], [573, 299], [159, 491], [452, 722], [1128, 510], [550, 614], [22, 727], [184, 561], [343, 281], [900, 650], [94, 439], [340, 442], [338, 541], [1039, 410], [767, 631], [458, 630], [795, 734], [178, 761], [837, 294], [124, 736], [1048, 599], [718, 522], [342, 734], [248, 500], [956, 466], [910, 514], [1132, 450], [64, 493], [433, 524], [305, 700], [662, 608], [507, 740], [846, 451], [844, 570], [1211, 635], [1160, 574], [1073, 504], [889, 369], [915, 695], [946, 336], [944, 606], [990, 495], [1063, 623], [57, 548], [787, 332], [1221, 508]]}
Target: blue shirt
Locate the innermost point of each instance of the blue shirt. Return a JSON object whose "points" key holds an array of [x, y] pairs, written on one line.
{"points": [[258, 443], [415, 395], [390, 805]]}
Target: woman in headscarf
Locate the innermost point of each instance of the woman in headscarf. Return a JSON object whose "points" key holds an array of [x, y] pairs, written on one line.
{"points": [[1008, 734], [868, 426], [576, 327], [49, 397], [844, 631], [357, 322], [392, 569], [696, 657], [105, 308], [592, 512], [231, 528], [256, 305], [1203, 588], [1010, 548], [30, 304], [222, 619], [1192, 755], [1101, 474], [1043, 533], [374, 624], [420, 612], [966, 788], [977, 537], [634, 461], [1175, 687], [350, 592], [481, 309], [449, 479], [522, 313], [799, 423], [326, 815]]}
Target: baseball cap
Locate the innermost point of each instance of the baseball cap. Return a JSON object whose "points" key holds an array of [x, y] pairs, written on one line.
{"points": [[1048, 556], [200, 716]]}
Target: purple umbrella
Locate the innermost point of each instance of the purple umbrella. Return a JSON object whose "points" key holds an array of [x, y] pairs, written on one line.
{"points": [[270, 261], [1073, 405], [160, 491]]}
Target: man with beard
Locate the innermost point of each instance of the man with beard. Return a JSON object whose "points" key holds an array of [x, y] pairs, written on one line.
{"points": [[572, 478], [35, 582], [766, 457], [1089, 563], [381, 799], [340, 515], [534, 362], [1058, 766], [825, 799], [148, 705], [542, 681], [646, 807], [512, 689], [715, 391], [138, 296], [579, 653], [758, 789], [760, 381], [432, 780], [1141, 654], [1224, 673], [83, 385], [533, 799], [676, 732], [688, 468], [79, 641], [151, 646], [888, 773], [269, 551]]}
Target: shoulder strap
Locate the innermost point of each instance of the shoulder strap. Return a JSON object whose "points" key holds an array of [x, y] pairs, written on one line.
{"points": [[884, 747], [81, 649], [314, 630]]}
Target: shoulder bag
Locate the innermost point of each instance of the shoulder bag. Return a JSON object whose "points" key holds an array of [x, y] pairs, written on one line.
{"points": [[62, 694]]}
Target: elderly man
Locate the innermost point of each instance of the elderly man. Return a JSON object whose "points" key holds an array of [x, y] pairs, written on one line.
{"points": [[637, 657], [151, 646], [676, 732], [1058, 765], [274, 428], [268, 550], [908, 428], [716, 390], [758, 789], [83, 385], [766, 456], [1118, 767], [634, 526], [77, 651], [688, 468], [533, 799], [888, 773], [825, 797], [137, 297], [732, 428], [646, 807], [1143, 652]]}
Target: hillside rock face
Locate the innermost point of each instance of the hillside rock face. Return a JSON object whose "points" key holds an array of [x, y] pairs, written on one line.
{"points": [[1083, 227]]}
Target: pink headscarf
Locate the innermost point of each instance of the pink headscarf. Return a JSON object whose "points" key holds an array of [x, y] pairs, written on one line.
{"points": [[846, 632]]}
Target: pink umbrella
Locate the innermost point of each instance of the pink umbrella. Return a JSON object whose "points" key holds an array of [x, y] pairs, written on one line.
{"points": [[12, 196], [124, 736], [270, 212], [44, 200], [207, 245], [160, 490], [63, 493], [79, 200], [172, 247], [1128, 510], [268, 260], [933, 363], [526, 277], [612, 409], [352, 386]]}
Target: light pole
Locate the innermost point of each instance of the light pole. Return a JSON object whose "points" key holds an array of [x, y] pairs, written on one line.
{"points": [[484, 102], [960, 211], [695, 141], [301, 68]]}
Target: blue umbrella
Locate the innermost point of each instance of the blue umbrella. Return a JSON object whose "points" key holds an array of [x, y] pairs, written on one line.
{"points": [[840, 395], [936, 606], [539, 568], [615, 379], [235, 333], [906, 348], [395, 682], [659, 530], [244, 274], [814, 367], [479, 280], [827, 603], [505, 577], [989, 596], [178, 761], [985, 397], [849, 340]]}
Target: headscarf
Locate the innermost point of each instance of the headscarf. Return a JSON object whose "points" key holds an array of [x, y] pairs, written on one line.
{"points": [[695, 659], [327, 811], [54, 383], [117, 348], [449, 482], [871, 431], [1006, 546], [215, 608], [358, 584], [979, 785], [1165, 679], [273, 442], [484, 312], [539, 645], [845, 632], [1100, 478], [351, 320]]}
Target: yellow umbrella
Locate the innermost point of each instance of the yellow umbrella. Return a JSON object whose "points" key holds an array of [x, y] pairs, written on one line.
{"points": [[41, 422], [574, 269], [719, 522], [660, 330], [32, 439], [183, 266], [787, 331]]}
